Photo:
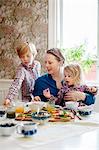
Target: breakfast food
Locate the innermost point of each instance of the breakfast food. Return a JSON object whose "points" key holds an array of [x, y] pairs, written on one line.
{"points": [[24, 117], [60, 119], [60, 115], [51, 114]]}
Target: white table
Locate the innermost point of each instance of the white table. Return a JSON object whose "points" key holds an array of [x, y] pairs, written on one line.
{"points": [[80, 135], [86, 141]]}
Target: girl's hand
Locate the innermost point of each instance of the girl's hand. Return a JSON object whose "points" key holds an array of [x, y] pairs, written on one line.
{"points": [[92, 89], [74, 96], [7, 102], [47, 93], [37, 98]]}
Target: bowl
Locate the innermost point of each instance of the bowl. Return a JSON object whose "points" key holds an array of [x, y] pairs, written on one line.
{"points": [[36, 106], [41, 117], [71, 105], [85, 110], [2, 112], [7, 129]]}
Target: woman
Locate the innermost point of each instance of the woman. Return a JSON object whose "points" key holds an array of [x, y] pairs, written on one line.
{"points": [[54, 61]]}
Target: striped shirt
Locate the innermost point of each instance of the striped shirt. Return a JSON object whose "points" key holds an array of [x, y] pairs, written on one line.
{"points": [[24, 80]]}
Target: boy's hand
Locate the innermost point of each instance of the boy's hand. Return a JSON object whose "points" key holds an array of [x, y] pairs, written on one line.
{"points": [[7, 102]]}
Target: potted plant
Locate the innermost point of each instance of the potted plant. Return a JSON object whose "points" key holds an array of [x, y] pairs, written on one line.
{"points": [[79, 54]]}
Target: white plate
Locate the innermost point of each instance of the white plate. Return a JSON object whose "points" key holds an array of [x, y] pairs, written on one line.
{"points": [[36, 105], [72, 105]]}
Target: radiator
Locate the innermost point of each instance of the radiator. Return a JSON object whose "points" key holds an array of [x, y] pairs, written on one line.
{"points": [[4, 87]]}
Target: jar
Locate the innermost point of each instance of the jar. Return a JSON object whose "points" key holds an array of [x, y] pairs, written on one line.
{"points": [[11, 112]]}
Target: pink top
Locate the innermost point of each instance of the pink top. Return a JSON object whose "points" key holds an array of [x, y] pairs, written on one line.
{"points": [[59, 100]]}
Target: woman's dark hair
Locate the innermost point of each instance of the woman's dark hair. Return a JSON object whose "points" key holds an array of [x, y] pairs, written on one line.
{"points": [[57, 53]]}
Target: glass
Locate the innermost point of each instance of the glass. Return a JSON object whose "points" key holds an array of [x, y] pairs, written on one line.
{"points": [[19, 107]]}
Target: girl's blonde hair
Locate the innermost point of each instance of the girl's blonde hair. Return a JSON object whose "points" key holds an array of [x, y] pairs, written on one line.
{"points": [[25, 47], [75, 71]]}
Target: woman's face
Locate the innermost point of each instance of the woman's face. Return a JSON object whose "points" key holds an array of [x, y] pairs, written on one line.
{"points": [[52, 65]]}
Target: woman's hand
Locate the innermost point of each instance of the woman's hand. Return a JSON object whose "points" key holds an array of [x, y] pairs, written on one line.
{"points": [[74, 96], [36, 98]]}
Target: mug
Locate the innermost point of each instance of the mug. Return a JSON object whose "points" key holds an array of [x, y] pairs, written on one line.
{"points": [[27, 129]]}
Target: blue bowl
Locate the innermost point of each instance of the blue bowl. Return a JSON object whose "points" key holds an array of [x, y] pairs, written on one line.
{"points": [[85, 110], [84, 113], [40, 117]]}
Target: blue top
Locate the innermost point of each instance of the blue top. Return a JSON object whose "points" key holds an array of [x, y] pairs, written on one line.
{"points": [[46, 81]]}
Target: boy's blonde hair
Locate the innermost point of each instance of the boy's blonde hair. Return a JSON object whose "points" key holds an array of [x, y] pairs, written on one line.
{"points": [[25, 47], [75, 71]]}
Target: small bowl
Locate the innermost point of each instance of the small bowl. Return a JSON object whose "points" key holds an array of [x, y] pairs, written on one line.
{"points": [[84, 113], [7, 129], [71, 105], [85, 110], [41, 117], [2, 112]]}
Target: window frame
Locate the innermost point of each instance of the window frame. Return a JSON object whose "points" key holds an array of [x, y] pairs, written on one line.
{"points": [[55, 32]]}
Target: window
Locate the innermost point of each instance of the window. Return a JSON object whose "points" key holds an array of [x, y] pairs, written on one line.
{"points": [[75, 23]]}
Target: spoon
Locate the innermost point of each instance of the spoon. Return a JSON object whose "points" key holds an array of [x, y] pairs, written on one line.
{"points": [[38, 110], [75, 113]]}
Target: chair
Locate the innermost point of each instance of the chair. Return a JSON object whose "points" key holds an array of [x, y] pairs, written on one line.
{"points": [[96, 105]]}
